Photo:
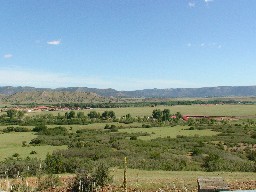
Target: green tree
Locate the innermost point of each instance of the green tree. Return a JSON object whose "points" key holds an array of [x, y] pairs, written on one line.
{"points": [[93, 114], [178, 115], [166, 115], [157, 114], [70, 115], [39, 128], [108, 115], [20, 114], [80, 115], [102, 176], [54, 164], [11, 113]]}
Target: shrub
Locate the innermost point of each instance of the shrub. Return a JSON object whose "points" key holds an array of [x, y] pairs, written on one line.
{"points": [[36, 141], [33, 152], [102, 176], [83, 182], [48, 182], [146, 126], [133, 137], [15, 129], [39, 128]]}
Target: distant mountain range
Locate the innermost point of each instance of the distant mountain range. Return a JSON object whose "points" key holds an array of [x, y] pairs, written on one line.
{"points": [[221, 91]]}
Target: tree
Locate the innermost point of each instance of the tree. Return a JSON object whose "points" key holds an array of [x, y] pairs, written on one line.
{"points": [[39, 128], [178, 115], [108, 115], [166, 115], [80, 114], [157, 114], [11, 113], [101, 175], [93, 114], [20, 114], [70, 115], [54, 164]]}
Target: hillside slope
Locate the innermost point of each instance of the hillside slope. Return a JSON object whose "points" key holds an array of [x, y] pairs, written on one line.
{"points": [[54, 97], [221, 91]]}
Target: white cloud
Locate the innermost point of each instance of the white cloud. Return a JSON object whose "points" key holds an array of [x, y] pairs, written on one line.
{"points": [[8, 56], [205, 45], [54, 42], [191, 4], [15, 76], [208, 1]]}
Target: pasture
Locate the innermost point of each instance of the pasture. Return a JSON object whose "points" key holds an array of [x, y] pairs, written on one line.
{"points": [[179, 180], [11, 143], [208, 110], [172, 132]]}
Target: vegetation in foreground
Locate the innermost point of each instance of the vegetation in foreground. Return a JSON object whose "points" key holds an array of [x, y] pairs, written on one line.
{"points": [[137, 180], [161, 141]]}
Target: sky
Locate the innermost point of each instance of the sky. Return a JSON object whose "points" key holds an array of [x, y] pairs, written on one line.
{"points": [[127, 44]]}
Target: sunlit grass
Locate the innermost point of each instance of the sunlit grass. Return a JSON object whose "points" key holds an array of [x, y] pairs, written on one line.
{"points": [[221, 110], [172, 132], [145, 180], [11, 143]]}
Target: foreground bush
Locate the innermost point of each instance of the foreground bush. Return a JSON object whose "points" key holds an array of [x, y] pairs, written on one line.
{"points": [[87, 182]]}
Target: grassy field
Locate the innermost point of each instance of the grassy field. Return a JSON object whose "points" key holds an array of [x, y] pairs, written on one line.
{"points": [[221, 110], [11, 143], [172, 132], [168, 180], [158, 181]]}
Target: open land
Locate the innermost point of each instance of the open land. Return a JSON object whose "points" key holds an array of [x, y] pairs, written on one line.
{"points": [[162, 154]]}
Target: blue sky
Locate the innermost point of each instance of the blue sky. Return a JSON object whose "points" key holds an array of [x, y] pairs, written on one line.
{"points": [[127, 44]]}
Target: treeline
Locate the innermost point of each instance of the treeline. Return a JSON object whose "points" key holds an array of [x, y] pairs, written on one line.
{"points": [[148, 104], [80, 118], [12, 117], [141, 104]]}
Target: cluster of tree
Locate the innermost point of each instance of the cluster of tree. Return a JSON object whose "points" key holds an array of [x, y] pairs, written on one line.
{"points": [[15, 129], [12, 113], [165, 115], [151, 103], [70, 117]]}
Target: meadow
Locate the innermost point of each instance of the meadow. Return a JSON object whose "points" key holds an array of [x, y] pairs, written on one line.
{"points": [[162, 154], [11, 143], [178, 180], [208, 110], [170, 132]]}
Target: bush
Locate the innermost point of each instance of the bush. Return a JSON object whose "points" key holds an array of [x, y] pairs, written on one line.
{"points": [[83, 182], [102, 176], [36, 141], [15, 129], [39, 128], [25, 167], [48, 182], [133, 137], [87, 182], [33, 152], [146, 126]]}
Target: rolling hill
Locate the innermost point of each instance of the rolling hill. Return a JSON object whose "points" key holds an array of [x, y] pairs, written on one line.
{"points": [[54, 97], [221, 91]]}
